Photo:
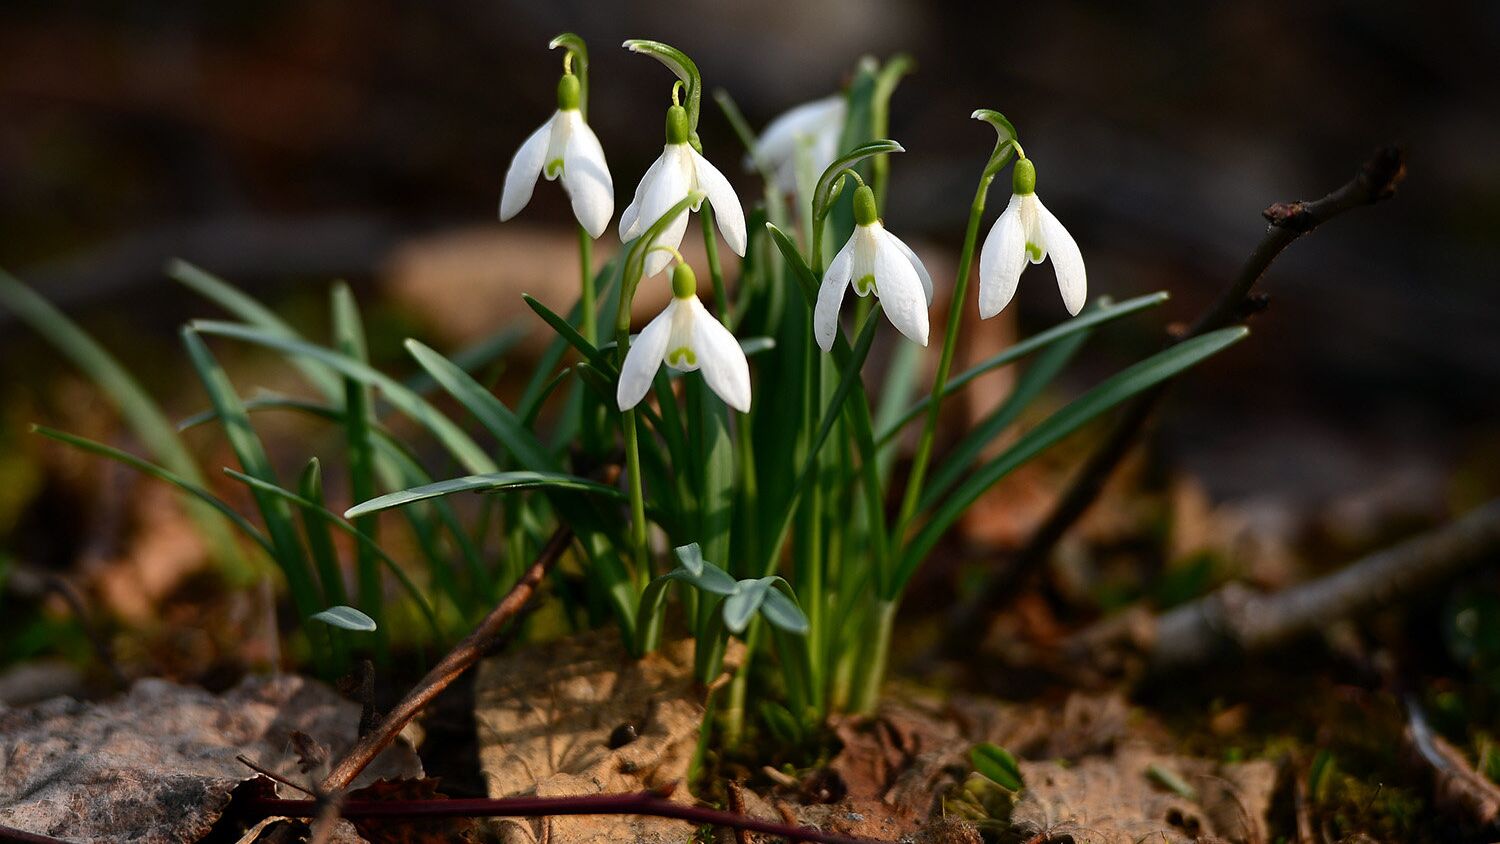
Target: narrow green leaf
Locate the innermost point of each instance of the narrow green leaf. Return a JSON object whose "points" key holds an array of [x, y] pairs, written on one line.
{"points": [[570, 335], [345, 618], [319, 537], [452, 437], [489, 482], [472, 358], [248, 309], [489, 410], [251, 454], [998, 765], [1116, 389], [161, 474], [264, 487], [1081, 323]]}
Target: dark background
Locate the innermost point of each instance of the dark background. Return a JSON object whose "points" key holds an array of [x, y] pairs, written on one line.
{"points": [[283, 143]]}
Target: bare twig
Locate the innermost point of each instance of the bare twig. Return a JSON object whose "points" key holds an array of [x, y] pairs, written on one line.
{"points": [[1235, 620], [640, 803], [9, 834], [270, 774], [1288, 221], [1456, 782], [463, 656]]}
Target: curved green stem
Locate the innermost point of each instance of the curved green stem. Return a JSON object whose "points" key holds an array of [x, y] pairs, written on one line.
{"points": [[1004, 151], [589, 325]]}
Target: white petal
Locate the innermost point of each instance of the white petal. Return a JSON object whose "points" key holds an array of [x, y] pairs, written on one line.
{"points": [[720, 358], [1001, 260], [630, 220], [831, 296], [520, 179], [778, 142], [916, 264], [1067, 261], [586, 177], [643, 359], [657, 260], [725, 202], [669, 187], [899, 289]]}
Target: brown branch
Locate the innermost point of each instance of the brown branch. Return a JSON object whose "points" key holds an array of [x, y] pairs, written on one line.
{"points": [[1234, 620], [640, 803], [463, 656], [1375, 181]]}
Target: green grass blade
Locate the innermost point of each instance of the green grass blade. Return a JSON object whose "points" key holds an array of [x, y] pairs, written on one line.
{"points": [[320, 538], [250, 310], [490, 482], [359, 416], [459, 444], [1111, 392], [1030, 385], [489, 410], [472, 358], [269, 489], [252, 457], [1036, 342], [162, 474]]}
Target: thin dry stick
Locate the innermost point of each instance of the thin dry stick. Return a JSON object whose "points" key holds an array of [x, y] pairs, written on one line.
{"points": [[638, 803], [464, 655], [20, 836], [1288, 221], [1234, 620]]}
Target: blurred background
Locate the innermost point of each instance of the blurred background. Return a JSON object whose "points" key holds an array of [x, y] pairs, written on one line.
{"points": [[284, 144]]}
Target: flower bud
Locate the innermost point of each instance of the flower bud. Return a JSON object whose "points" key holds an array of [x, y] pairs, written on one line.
{"points": [[864, 206], [567, 92], [1023, 177], [684, 282]]}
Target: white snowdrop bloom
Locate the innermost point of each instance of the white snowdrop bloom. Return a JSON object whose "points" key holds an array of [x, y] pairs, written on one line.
{"points": [[1025, 231], [817, 126], [685, 336], [563, 147], [679, 171], [875, 261]]}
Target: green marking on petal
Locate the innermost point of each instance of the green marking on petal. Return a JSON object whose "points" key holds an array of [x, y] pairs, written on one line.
{"points": [[1033, 251], [864, 284], [682, 356], [554, 167]]}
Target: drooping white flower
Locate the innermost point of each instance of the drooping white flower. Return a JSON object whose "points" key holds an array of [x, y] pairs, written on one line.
{"points": [[563, 147], [685, 336], [815, 126], [679, 171], [1025, 231], [875, 261]]}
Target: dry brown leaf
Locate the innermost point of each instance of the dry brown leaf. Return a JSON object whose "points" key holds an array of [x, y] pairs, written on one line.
{"points": [[1113, 800], [158, 764], [558, 719]]}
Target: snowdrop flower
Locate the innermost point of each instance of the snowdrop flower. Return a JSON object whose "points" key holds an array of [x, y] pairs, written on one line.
{"points": [[563, 147], [816, 125], [685, 336], [1027, 230], [875, 260], [679, 171]]}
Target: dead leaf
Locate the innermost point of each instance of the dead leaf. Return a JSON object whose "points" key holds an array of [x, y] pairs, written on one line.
{"points": [[158, 764], [546, 716], [1113, 799]]}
